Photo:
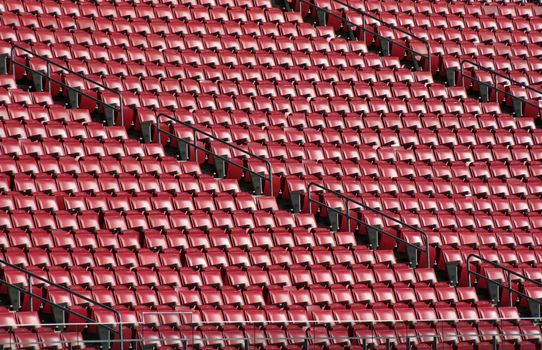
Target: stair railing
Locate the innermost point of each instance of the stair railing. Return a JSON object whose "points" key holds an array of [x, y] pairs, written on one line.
{"points": [[258, 178], [517, 101], [365, 30], [413, 249], [14, 288], [73, 92], [535, 304]]}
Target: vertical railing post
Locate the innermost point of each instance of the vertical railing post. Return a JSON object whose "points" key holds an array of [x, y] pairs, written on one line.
{"points": [[348, 215], [364, 28], [364, 344], [469, 283], [270, 170], [30, 292], [158, 136], [427, 252], [494, 343], [12, 55], [495, 87], [195, 147], [48, 77], [309, 199], [121, 336], [510, 293], [121, 109]]}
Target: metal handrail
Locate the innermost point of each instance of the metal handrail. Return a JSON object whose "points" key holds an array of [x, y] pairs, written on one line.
{"points": [[31, 275], [424, 235], [46, 301], [436, 335], [351, 24], [365, 340], [194, 144], [494, 75], [509, 278], [50, 79], [391, 26]]}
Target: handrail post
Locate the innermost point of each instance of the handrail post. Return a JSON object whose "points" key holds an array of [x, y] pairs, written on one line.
{"points": [[364, 28], [30, 291], [428, 253], [12, 55], [309, 199], [510, 296], [121, 337], [495, 87], [270, 170], [48, 77], [121, 109], [348, 216], [469, 283], [194, 135], [159, 137]]}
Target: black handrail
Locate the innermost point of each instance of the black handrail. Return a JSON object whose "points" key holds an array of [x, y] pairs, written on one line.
{"points": [[509, 279], [49, 302], [365, 30], [31, 275], [424, 235], [50, 79], [351, 24], [391, 26], [194, 144], [494, 75]]}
